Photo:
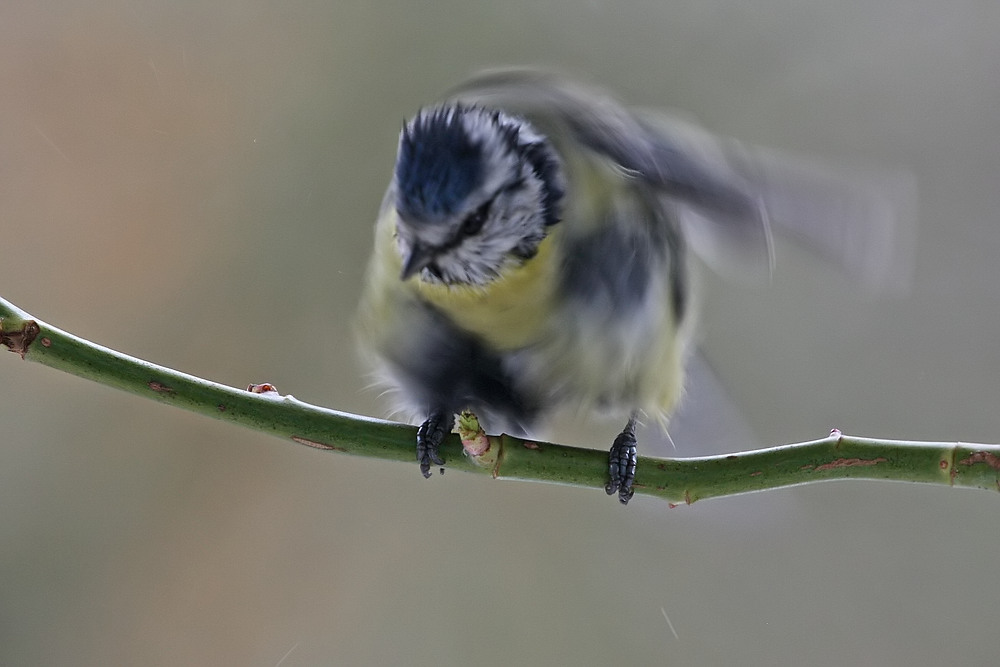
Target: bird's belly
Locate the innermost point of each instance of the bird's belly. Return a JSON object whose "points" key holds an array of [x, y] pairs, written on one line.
{"points": [[608, 363]]}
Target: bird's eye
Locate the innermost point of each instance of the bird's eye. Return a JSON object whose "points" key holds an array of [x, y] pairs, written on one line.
{"points": [[475, 220]]}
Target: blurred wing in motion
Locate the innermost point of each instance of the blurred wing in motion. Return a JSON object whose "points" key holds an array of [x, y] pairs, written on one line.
{"points": [[862, 219], [687, 169], [728, 195]]}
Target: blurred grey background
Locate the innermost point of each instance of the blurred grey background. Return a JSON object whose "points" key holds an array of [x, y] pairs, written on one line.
{"points": [[195, 183]]}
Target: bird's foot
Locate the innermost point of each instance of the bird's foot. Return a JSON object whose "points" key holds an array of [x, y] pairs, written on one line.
{"points": [[429, 437], [621, 464]]}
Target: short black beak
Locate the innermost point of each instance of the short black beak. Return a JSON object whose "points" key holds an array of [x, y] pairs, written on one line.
{"points": [[418, 259]]}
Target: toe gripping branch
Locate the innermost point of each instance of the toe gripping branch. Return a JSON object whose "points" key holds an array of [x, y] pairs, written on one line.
{"points": [[429, 437], [621, 464]]}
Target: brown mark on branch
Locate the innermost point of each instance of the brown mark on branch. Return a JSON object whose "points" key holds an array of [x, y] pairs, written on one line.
{"points": [[159, 387], [990, 459], [19, 341], [262, 388], [849, 463], [316, 445], [495, 472]]}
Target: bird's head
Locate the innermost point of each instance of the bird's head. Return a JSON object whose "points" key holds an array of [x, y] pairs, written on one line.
{"points": [[475, 192]]}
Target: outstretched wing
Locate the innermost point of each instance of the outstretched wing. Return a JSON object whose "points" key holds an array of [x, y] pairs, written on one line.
{"points": [[726, 194], [693, 177]]}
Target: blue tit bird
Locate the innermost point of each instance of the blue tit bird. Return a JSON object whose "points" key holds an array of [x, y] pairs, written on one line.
{"points": [[532, 253]]}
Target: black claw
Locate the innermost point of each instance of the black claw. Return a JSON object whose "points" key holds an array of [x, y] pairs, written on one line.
{"points": [[429, 437], [625, 496], [621, 464]]}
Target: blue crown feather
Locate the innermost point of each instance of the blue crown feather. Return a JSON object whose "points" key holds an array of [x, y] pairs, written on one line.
{"points": [[438, 165]]}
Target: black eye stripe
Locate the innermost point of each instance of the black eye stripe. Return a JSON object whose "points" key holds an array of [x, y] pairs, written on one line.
{"points": [[473, 223], [514, 186]]}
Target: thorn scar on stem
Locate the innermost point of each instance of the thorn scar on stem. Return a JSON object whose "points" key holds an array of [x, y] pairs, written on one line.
{"points": [[19, 341]]}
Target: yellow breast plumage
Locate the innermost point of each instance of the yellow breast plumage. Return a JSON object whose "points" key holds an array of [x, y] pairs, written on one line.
{"points": [[509, 312]]}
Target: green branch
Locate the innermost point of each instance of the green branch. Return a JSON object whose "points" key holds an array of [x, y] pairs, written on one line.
{"points": [[503, 457]]}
